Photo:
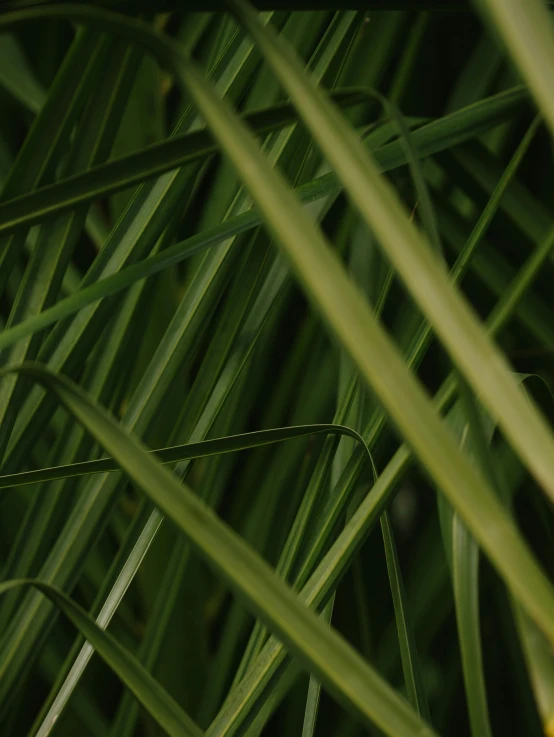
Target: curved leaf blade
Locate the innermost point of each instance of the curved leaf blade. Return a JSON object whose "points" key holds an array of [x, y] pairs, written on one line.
{"points": [[188, 451], [335, 663], [152, 696]]}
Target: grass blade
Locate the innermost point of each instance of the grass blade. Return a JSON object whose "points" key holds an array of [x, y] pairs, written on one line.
{"points": [[162, 707], [451, 317], [408, 651], [529, 35], [124, 172], [335, 663], [188, 451], [353, 323]]}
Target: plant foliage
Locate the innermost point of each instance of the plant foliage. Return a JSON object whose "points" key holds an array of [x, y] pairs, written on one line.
{"points": [[270, 275]]}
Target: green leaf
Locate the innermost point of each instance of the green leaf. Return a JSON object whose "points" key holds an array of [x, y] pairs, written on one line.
{"points": [[271, 661], [185, 346], [47, 139], [151, 695], [314, 687], [16, 75], [188, 451], [337, 665], [476, 357], [447, 131], [529, 36], [57, 240], [408, 651], [540, 663], [126, 171], [132, 552], [463, 556], [375, 356]]}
